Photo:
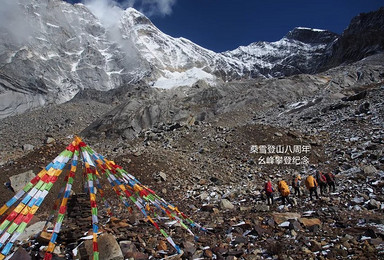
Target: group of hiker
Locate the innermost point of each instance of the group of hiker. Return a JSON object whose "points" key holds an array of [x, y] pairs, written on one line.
{"points": [[312, 183]]}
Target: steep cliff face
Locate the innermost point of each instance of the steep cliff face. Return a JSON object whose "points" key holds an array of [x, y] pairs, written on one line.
{"points": [[363, 37], [63, 48]]}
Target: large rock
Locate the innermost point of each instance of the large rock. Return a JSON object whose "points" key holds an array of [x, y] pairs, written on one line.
{"points": [[21, 254], [369, 170], [28, 147], [282, 217], [360, 39], [261, 207], [357, 200], [50, 140], [32, 230], [295, 225], [128, 248], [109, 249], [226, 204], [163, 176], [20, 180], [315, 246], [373, 204], [189, 247], [355, 97], [310, 222]]}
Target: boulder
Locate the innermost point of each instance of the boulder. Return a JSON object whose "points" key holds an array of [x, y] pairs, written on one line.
{"points": [[20, 180], [285, 224], [162, 246], [226, 204], [306, 251], [208, 253], [50, 140], [315, 246], [204, 195], [240, 240], [242, 208], [369, 170], [357, 200], [373, 204], [261, 207], [198, 254], [139, 256], [189, 247], [208, 208], [32, 230], [163, 176], [128, 248], [21, 254], [370, 233], [294, 225], [355, 97], [363, 108], [28, 147], [310, 223], [109, 249], [282, 217], [278, 134]]}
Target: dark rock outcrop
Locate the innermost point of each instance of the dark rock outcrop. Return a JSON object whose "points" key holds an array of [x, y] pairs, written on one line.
{"points": [[363, 37]]}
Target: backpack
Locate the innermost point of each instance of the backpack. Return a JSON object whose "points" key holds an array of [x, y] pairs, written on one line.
{"points": [[268, 187], [310, 182], [283, 188], [330, 177], [296, 182], [322, 178]]}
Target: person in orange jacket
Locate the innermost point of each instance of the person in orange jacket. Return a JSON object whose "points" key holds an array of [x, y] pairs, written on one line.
{"points": [[284, 191], [311, 184]]}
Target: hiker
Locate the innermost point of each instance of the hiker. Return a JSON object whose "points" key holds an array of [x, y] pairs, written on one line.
{"points": [[322, 181], [330, 181], [269, 191], [296, 183], [284, 191], [311, 184]]}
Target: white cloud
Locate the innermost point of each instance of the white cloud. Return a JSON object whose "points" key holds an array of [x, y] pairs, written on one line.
{"points": [[11, 21], [108, 11]]}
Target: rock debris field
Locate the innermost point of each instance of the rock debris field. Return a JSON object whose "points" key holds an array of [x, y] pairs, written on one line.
{"points": [[213, 171]]}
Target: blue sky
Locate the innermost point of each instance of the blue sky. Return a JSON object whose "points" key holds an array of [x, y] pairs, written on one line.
{"points": [[221, 25]]}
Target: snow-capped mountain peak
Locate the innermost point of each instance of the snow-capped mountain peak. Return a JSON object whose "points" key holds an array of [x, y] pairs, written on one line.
{"points": [[132, 17], [311, 36], [74, 47]]}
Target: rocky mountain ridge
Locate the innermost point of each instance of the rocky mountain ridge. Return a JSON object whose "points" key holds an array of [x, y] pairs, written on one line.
{"points": [[203, 102], [66, 48], [363, 37]]}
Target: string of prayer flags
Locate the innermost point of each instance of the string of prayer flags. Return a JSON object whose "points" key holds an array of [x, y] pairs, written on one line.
{"points": [[20, 209]]}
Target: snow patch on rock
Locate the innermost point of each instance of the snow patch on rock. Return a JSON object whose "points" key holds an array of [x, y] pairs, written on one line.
{"points": [[186, 78]]}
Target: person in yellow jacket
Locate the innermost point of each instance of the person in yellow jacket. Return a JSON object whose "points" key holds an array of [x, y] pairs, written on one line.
{"points": [[311, 184], [283, 188]]}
